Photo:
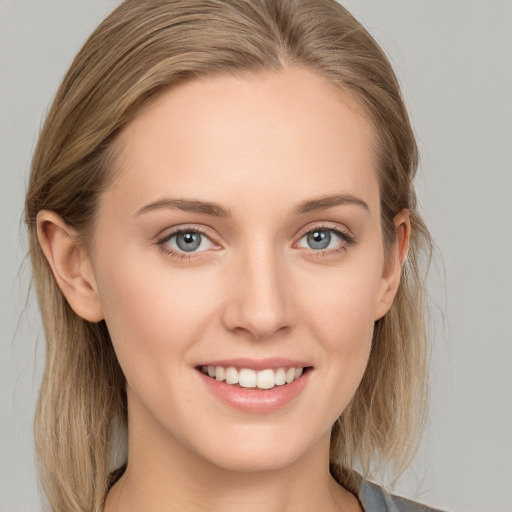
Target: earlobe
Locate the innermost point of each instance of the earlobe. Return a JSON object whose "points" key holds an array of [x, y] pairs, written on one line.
{"points": [[390, 279], [70, 265]]}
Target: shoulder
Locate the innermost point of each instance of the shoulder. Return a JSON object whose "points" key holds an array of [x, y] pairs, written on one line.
{"points": [[376, 499]]}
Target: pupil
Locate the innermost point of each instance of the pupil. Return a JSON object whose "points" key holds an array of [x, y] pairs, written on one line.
{"points": [[319, 239], [188, 241]]}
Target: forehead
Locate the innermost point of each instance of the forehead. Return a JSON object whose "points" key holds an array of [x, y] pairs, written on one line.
{"points": [[263, 133]]}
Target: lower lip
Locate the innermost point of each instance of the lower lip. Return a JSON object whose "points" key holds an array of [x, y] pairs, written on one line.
{"points": [[254, 399]]}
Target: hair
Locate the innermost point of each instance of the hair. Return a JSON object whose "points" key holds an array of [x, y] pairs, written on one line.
{"points": [[139, 50]]}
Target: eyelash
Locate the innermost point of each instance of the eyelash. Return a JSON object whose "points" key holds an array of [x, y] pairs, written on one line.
{"points": [[348, 240], [180, 255]]}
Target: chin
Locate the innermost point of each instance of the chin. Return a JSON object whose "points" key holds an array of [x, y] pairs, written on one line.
{"points": [[257, 451], [265, 460]]}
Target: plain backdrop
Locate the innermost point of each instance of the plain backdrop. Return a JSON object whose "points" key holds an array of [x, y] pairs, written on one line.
{"points": [[454, 60]]}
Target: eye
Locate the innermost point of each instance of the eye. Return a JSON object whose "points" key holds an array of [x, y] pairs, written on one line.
{"points": [[186, 241], [325, 239]]}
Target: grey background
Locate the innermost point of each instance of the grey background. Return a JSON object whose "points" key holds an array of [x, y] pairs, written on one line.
{"points": [[454, 59]]}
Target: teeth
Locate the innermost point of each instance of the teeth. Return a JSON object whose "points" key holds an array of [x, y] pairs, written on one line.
{"points": [[265, 379], [247, 378], [219, 373], [231, 375], [280, 377]]}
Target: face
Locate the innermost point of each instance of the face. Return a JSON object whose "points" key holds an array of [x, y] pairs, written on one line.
{"points": [[242, 233]]}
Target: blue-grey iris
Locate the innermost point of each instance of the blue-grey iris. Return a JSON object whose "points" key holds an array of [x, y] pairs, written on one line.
{"points": [[319, 239], [188, 241]]}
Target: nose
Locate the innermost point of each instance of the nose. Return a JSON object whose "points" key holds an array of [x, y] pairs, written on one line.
{"points": [[259, 301]]}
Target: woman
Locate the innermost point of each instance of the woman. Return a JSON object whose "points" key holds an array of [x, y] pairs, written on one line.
{"points": [[227, 253]]}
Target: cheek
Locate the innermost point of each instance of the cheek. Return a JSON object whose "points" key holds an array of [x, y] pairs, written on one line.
{"points": [[346, 328], [342, 301], [152, 313], [341, 316]]}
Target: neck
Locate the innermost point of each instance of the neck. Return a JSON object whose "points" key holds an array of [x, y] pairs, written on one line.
{"points": [[164, 475], [296, 488]]}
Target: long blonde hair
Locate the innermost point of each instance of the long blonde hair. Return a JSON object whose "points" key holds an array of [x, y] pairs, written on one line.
{"points": [[143, 47]]}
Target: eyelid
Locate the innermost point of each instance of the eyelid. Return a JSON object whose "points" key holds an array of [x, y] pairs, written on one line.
{"points": [[343, 233], [169, 233], [347, 239], [327, 226]]}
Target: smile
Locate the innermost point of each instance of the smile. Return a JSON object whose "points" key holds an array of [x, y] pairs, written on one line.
{"points": [[249, 378], [255, 386]]}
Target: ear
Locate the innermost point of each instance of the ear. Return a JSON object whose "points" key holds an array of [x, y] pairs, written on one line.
{"points": [[70, 265], [390, 279]]}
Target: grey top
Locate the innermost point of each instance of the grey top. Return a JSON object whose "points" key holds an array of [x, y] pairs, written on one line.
{"points": [[376, 499]]}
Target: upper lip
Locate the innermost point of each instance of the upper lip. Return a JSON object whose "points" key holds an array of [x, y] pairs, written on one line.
{"points": [[257, 364]]}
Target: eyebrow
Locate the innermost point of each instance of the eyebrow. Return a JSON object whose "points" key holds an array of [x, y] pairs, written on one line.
{"points": [[330, 201], [187, 205], [216, 210]]}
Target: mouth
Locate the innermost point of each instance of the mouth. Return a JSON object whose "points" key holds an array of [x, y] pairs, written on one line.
{"points": [[256, 385], [248, 378]]}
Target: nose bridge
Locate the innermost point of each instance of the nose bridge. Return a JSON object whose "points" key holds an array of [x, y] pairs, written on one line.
{"points": [[260, 302]]}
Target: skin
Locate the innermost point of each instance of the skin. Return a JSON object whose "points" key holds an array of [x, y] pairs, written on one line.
{"points": [[258, 146]]}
